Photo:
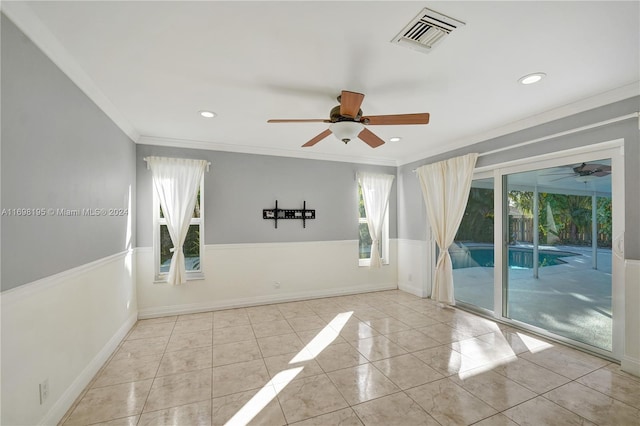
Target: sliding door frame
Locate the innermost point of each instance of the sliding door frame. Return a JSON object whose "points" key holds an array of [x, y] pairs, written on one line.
{"points": [[615, 151]]}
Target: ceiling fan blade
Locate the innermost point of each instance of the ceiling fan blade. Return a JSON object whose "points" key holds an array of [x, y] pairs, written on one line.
{"points": [[318, 138], [420, 118], [350, 103], [370, 138], [602, 168], [301, 120]]}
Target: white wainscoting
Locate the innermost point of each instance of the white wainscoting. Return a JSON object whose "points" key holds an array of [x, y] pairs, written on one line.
{"points": [[414, 267], [62, 328], [631, 358], [249, 274]]}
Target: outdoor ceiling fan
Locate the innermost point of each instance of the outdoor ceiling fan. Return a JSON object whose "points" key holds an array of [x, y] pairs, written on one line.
{"points": [[586, 170], [347, 121]]}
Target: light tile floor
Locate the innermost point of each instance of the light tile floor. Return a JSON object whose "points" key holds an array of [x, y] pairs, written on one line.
{"points": [[385, 358]]}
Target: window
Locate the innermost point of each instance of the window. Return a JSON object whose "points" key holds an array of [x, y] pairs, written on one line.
{"points": [[193, 244], [364, 240], [472, 251]]}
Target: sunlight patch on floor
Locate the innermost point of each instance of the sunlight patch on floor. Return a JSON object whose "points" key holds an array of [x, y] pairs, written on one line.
{"points": [[263, 397], [323, 339], [273, 387], [534, 345]]}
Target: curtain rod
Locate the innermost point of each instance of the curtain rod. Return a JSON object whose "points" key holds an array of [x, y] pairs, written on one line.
{"points": [[556, 135], [146, 159]]}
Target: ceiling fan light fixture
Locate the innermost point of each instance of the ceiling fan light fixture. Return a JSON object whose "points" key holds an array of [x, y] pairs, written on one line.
{"points": [[532, 78], [395, 139], [347, 121], [346, 130]]}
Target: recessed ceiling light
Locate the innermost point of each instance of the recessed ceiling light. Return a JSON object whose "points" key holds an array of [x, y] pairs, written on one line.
{"points": [[395, 139], [207, 114], [532, 78]]}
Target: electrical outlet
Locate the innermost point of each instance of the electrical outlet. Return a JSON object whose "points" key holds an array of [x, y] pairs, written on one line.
{"points": [[276, 284], [44, 391], [410, 277]]}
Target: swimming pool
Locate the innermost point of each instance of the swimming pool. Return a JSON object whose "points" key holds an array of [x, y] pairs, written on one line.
{"points": [[519, 258]]}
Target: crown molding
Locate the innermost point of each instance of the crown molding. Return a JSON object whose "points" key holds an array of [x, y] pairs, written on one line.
{"points": [[609, 97], [248, 149], [22, 15], [24, 18]]}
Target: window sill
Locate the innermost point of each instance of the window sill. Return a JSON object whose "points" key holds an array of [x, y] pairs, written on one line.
{"points": [[191, 276], [365, 263]]}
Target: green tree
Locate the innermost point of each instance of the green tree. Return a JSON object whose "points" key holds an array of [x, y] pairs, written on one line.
{"points": [[523, 200], [363, 229], [573, 216], [477, 222]]}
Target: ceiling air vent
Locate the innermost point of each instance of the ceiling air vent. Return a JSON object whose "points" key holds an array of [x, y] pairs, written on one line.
{"points": [[426, 30]]}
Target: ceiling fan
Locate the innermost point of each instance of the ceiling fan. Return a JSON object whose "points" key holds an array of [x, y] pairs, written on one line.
{"points": [[584, 170], [347, 121]]}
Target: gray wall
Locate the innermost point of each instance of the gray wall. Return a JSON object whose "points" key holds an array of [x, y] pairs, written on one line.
{"points": [[239, 186], [411, 212], [59, 150]]}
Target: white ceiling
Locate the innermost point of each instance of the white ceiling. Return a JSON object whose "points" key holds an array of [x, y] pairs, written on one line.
{"points": [[153, 65]]}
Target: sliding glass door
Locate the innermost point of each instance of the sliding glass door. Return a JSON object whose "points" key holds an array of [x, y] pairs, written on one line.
{"points": [[539, 246], [472, 250], [558, 263]]}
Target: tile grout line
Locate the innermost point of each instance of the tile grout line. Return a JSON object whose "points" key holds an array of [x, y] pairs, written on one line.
{"points": [[156, 373], [89, 385], [352, 343]]}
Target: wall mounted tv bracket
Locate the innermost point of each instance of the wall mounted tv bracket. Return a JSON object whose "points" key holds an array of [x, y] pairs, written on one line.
{"points": [[277, 214]]}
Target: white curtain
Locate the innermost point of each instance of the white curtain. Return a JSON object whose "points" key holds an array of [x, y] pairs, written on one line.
{"points": [[375, 193], [445, 187], [176, 181]]}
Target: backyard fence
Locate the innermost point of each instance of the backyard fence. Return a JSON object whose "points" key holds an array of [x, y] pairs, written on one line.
{"points": [[521, 230]]}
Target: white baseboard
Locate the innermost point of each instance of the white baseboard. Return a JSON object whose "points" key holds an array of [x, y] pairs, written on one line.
{"points": [[62, 405], [411, 288], [414, 266], [86, 311], [630, 365], [258, 300], [631, 359], [238, 275]]}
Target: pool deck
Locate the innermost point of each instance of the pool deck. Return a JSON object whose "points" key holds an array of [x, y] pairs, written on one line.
{"points": [[572, 299]]}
